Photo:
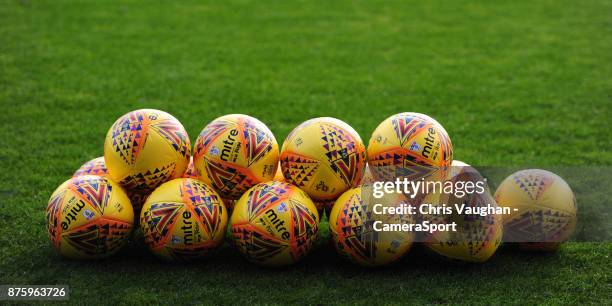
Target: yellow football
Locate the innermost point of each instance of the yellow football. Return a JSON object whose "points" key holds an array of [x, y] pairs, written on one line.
{"points": [[95, 166], [235, 152], [145, 148], [324, 157], [183, 220], [411, 146], [355, 226], [543, 210], [477, 237], [89, 217], [274, 224]]}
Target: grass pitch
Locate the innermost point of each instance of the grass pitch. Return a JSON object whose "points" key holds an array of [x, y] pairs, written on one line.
{"points": [[514, 83]]}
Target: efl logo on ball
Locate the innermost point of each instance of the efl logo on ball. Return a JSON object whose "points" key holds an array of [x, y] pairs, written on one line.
{"points": [[235, 152]]}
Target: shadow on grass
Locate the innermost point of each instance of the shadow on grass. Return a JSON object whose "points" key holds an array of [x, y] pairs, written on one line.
{"points": [[136, 258], [225, 276]]}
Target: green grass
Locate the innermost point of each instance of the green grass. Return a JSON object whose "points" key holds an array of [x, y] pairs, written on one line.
{"points": [[514, 83]]}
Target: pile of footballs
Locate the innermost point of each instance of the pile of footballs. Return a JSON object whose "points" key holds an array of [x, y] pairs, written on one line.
{"points": [[182, 197]]}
